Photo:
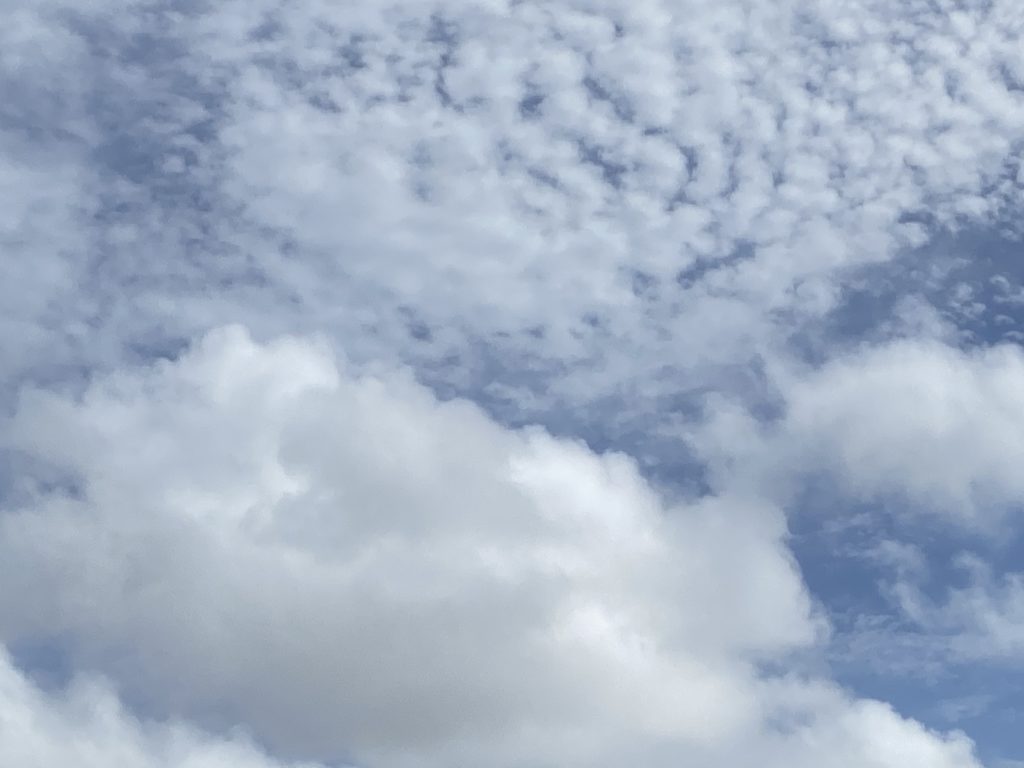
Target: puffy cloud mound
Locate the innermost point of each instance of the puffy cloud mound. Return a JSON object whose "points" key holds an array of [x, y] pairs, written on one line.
{"points": [[86, 726], [916, 420], [937, 424], [349, 568]]}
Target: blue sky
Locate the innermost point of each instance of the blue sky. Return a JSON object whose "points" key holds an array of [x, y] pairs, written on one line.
{"points": [[498, 382]]}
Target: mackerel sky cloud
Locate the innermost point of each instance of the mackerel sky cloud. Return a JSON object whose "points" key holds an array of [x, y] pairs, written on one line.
{"points": [[432, 383]]}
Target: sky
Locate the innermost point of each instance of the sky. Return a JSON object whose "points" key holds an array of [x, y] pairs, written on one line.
{"points": [[511, 383]]}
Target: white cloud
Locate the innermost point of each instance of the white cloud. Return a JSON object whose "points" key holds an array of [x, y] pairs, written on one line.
{"points": [[454, 184], [938, 425], [347, 566], [86, 726], [914, 420], [979, 621], [560, 204], [657, 134], [918, 431]]}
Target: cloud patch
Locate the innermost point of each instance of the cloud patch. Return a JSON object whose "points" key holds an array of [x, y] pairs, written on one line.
{"points": [[347, 567]]}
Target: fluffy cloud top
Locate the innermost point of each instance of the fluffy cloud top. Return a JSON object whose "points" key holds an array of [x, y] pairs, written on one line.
{"points": [[349, 568], [86, 726], [914, 420], [939, 425]]}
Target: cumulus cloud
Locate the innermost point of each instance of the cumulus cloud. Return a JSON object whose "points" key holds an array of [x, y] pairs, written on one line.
{"points": [[86, 726], [913, 420], [932, 422], [909, 434], [347, 567]]}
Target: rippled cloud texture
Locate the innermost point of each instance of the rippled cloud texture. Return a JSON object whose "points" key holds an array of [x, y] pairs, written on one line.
{"points": [[511, 383]]}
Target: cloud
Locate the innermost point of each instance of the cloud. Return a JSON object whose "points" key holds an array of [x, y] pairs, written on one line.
{"points": [[981, 620], [920, 440], [913, 420], [585, 215], [614, 198], [86, 726], [348, 568]]}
